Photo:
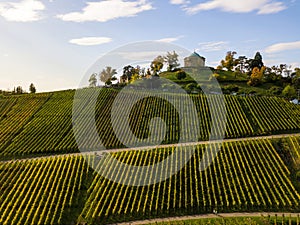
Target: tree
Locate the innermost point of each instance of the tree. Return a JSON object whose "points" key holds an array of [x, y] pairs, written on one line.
{"points": [[107, 75], [172, 60], [181, 74], [128, 72], [109, 81], [93, 80], [275, 90], [190, 87], [229, 62], [32, 88], [257, 61], [270, 76], [19, 90], [242, 64], [286, 70], [157, 64], [289, 92], [296, 78], [256, 76]]}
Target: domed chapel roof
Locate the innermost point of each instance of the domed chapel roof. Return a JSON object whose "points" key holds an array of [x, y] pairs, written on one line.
{"points": [[195, 54]]}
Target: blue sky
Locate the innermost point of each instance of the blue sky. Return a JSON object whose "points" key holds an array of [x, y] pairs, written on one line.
{"points": [[52, 43]]}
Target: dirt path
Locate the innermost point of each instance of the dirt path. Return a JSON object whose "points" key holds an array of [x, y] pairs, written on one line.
{"points": [[152, 147], [208, 216]]}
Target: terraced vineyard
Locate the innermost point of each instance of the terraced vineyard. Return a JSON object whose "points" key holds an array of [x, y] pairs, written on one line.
{"points": [[245, 176], [42, 124]]}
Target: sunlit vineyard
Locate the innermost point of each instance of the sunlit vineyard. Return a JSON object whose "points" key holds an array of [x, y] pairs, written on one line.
{"points": [[15, 113], [50, 129], [42, 124], [245, 176], [45, 191]]}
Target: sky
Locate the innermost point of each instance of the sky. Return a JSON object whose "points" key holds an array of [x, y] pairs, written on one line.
{"points": [[53, 43]]}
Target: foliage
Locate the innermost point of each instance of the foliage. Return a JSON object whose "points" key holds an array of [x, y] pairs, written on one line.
{"points": [[256, 62], [190, 87], [289, 92], [296, 78], [93, 80], [32, 88], [172, 60], [107, 75], [256, 76], [275, 90], [230, 88], [242, 64], [128, 72], [157, 65], [180, 74], [229, 62], [18, 90]]}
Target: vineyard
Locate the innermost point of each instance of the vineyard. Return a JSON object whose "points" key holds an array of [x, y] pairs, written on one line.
{"points": [[257, 174], [41, 191], [42, 124], [245, 176], [15, 114]]}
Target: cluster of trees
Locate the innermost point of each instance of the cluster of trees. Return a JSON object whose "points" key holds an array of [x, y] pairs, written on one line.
{"points": [[107, 76], [131, 74], [286, 81], [19, 90], [242, 64]]}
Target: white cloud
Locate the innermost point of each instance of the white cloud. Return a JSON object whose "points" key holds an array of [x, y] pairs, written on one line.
{"points": [[23, 11], [272, 8], [89, 41], [279, 47], [179, 2], [238, 6], [213, 46], [169, 39], [103, 11]]}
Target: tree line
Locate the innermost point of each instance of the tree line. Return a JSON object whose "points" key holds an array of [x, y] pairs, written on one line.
{"points": [[285, 80], [130, 73], [19, 90]]}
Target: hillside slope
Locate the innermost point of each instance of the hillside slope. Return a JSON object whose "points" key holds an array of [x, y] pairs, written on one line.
{"points": [[42, 124]]}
